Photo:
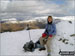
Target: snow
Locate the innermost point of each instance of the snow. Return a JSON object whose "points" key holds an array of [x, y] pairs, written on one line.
{"points": [[65, 18], [27, 21], [14, 20], [12, 42], [10, 20]]}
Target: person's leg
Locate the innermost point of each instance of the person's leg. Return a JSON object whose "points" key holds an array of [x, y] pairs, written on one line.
{"points": [[42, 44], [41, 41], [48, 46]]}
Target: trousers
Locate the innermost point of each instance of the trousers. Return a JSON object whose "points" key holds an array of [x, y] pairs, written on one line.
{"points": [[48, 43]]}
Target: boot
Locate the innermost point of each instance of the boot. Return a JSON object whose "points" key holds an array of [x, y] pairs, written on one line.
{"points": [[43, 48]]}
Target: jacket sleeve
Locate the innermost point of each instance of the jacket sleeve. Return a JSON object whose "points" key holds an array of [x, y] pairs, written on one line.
{"points": [[54, 30]]}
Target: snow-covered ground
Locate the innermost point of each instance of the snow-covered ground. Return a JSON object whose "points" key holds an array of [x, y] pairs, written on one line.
{"points": [[12, 42]]}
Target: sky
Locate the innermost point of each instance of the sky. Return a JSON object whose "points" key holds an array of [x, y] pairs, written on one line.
{"points": [[36, 8]]}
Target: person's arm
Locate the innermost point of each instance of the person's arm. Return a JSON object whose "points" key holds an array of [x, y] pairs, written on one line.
{"points": [[54, 29]]}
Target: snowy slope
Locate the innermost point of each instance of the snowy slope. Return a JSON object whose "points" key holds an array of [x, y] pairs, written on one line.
{"points": [[10, 20], [40, 19], [12, 42]]}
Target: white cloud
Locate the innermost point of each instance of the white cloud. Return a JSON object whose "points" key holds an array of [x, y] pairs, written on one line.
{"points": [[39, 8], [4, 4]]}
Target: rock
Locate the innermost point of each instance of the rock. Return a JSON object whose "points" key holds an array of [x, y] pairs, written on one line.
{"points": [[72, 35], [60, 39], [66, 42], [63, 40], [70, 22]]}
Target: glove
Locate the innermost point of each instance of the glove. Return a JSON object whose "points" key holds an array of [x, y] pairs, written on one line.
{"points": [[44, 35], [50, 36]]}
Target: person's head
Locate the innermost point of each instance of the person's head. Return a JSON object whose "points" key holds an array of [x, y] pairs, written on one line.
{"points": [[50, 19]]}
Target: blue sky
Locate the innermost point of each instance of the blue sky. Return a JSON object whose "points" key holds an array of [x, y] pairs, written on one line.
{"points": [[56, 1], [59, 2]]}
